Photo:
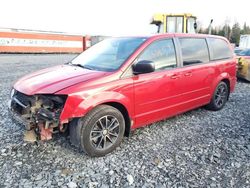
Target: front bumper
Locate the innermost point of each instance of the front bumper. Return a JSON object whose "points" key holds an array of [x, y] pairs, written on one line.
{"points": [[29, 134], [17, 118], [39, 114]]}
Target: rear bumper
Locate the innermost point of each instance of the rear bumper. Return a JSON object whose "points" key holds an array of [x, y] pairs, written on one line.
{"points": [[233, 82]]}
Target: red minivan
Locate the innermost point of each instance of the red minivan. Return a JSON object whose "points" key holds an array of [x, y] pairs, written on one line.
{"points": [[124, 83]]}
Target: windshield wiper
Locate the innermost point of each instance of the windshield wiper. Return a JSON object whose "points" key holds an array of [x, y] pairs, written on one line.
{"points": [[80, 65]]}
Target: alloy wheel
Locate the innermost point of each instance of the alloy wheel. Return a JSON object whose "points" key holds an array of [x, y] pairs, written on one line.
{"points": [[221, 95], [105, 132]]}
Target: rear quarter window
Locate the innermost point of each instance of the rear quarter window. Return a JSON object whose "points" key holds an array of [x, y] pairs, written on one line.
{"points": [[219, 49]]}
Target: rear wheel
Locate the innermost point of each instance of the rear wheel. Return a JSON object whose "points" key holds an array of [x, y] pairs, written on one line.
{"points": [[99, 132], [220, 97]]}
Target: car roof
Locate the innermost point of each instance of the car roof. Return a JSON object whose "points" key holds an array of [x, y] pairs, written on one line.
{"points": [[195, 35], [166, 35], [153, 37]]}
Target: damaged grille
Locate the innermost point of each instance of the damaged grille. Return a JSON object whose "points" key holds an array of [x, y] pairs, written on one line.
{"points": [[38, 109], [21, 103]]}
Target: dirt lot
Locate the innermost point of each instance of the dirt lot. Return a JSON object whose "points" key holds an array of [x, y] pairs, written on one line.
{"points": [[196, 149]]}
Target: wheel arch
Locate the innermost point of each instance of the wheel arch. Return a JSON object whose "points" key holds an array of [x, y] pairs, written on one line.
{"points": [[227, 81], [77, 107], [224, 77], [125, 114]]}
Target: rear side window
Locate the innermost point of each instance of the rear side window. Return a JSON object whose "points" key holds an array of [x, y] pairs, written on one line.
{"points": [[162, 53], [219, 49], [194, 51]]}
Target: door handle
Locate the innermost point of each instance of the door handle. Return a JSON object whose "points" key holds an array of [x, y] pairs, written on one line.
{"points": [[188, 74]]}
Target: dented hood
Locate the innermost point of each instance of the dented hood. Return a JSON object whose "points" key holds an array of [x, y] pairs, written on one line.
{"points": [[51, 80]]}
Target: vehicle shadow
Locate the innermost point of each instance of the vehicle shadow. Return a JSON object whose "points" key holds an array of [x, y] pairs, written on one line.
{"points": [[241, 80]]}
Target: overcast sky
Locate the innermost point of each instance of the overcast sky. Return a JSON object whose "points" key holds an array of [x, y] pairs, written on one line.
{"points": [[113, 17]]}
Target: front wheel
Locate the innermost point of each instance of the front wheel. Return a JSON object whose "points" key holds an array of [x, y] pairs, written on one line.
{"points": [[100, 131], [220, 97]]}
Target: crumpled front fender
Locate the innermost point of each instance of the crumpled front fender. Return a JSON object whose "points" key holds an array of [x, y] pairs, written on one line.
{"points": [[78, 105]]}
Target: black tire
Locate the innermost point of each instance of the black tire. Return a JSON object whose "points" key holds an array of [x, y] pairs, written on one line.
{"points": [[73, 132], [219, 97], [99, 132]]}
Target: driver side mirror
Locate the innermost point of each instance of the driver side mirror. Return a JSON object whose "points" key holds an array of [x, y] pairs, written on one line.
{"points": [[143, 67]]}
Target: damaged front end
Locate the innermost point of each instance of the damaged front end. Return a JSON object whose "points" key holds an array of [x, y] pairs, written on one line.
{"points": [[40, 114]]}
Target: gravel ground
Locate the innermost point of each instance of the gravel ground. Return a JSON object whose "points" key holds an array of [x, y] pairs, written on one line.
{"points": [[197, 149]]}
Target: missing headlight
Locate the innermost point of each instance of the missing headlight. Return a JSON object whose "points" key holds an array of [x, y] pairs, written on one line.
{"points": [[41, 112]]}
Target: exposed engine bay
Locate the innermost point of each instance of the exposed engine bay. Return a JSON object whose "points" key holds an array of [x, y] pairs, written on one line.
{"points": [[39, 113]]}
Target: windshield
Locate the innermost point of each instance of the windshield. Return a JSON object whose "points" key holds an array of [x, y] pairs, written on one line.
{"points": [[174, 24], [190, 25], [245, 53], [244, 41], [109, 54]]}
